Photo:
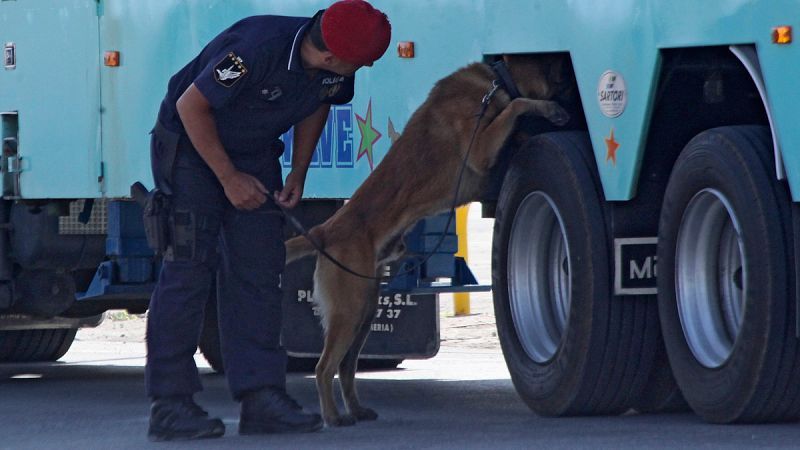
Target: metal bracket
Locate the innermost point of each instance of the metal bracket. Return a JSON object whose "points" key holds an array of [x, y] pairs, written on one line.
{"points": [[10, 56], [749, 58], [16, 165]]}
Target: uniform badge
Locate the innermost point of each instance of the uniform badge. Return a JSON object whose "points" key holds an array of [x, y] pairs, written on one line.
{"points": [[331, 91], [330, 87], [272, 94], [230, 70]]}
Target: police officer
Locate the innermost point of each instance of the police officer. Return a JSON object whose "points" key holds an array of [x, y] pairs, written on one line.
{"points": [[215, 151]]}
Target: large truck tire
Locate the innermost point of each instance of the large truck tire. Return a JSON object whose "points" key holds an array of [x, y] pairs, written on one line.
{"points": [[726, 279], [35, 345], [572, 348], [661, 393]]}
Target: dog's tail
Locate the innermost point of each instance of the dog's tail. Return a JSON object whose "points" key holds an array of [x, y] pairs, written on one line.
{"points": [[300, 246]]}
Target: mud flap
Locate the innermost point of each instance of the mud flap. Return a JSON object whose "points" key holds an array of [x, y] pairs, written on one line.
{"points": [[405, 326]]}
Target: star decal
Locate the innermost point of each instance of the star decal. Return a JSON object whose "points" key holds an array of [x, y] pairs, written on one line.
{"points": [[611, 148], [369, 136]]}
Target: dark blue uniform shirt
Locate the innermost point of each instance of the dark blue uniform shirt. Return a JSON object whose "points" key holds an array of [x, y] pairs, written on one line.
{"points": [[253, 76]]}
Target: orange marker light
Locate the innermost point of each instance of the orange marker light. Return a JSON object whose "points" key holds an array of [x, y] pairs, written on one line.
{"points": [[405, 49], [782, 35], [111, 59]]}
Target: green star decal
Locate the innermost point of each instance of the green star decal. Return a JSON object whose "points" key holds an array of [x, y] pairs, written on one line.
{"points": [[369, 136]]}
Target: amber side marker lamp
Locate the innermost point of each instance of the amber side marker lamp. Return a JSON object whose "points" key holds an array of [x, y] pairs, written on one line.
{"points": [[405, 49], [782, 35], [111, 59]]}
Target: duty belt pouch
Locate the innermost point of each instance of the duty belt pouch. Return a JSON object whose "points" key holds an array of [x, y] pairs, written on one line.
{"points": [[184, 229], [156, 204], [170, 232], [156, 218]]}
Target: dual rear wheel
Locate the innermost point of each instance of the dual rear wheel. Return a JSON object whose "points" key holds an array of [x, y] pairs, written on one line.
{"points": [[726, 279], [571, 346], [725, 286]]}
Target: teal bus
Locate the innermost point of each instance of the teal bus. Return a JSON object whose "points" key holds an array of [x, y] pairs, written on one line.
{"points": [[644, 258]]}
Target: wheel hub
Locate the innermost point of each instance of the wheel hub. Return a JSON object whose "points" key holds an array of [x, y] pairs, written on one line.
{"points": [[539, 276], [710, 277]]}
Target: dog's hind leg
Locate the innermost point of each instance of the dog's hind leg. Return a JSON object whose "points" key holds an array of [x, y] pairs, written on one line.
{"points": [[342, 300], [491, 138], [338, 338], [347, 369]]}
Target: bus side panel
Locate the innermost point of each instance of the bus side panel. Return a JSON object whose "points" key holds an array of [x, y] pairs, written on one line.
{"points": [[625, 37], [156, 38], [55, 89]]}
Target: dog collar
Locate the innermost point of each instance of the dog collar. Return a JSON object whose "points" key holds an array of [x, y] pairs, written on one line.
{"points": [[504, 79]]}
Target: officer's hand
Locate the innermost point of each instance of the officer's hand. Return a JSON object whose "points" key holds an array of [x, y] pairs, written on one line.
{"points": [[292, 191], [244, 191]]}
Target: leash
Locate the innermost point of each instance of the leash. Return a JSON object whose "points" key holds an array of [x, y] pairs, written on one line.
{"points": [[295, 223], [503, 81]]}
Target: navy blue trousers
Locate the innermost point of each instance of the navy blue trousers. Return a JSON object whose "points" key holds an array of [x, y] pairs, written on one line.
{"points": [[244, 250]]}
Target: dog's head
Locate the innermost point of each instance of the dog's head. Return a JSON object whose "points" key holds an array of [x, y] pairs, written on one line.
{"points": [[541, 77]]}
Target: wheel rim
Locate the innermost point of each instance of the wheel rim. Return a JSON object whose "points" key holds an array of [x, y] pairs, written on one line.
{"points": [[539, 276], [710, 277]]}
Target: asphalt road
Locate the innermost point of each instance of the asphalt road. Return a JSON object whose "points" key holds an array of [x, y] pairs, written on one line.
{"points": [[462, 398]]}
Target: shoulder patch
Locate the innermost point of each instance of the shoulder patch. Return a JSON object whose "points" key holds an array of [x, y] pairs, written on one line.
{"points": [[230, 70]]}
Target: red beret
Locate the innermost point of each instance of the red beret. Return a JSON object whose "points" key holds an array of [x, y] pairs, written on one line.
{"points": [[356, 32]]}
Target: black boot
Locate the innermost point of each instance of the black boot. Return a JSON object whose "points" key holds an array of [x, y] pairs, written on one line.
{"points": [[271, 410], [180, 418]]}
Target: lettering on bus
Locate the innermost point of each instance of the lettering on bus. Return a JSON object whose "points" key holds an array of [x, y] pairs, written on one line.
{"points": [[636, 266], [388, 312], [335, 146], [612, 94]]}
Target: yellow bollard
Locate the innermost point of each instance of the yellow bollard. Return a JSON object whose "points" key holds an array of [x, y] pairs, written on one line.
{"points": [[461, 299]]}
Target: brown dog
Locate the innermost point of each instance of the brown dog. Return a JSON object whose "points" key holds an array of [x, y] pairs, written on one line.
{"points": [[414, 180]]}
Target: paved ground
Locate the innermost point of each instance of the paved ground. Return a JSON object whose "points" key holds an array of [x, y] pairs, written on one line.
{"points": [[462, 398]]}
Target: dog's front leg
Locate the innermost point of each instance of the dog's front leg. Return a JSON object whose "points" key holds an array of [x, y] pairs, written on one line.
{"points": [[491, 138], [550, 110]]}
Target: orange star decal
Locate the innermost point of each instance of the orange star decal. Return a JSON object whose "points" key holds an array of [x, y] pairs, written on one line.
{"points": [[611, 148]]}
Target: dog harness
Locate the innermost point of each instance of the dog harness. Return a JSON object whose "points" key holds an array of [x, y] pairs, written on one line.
{"points": [[504, 79]]}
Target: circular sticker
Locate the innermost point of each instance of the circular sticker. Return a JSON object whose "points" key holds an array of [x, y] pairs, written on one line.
{"points": [[611, 94]]}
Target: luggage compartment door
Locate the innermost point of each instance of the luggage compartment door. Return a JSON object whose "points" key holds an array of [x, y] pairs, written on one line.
{"points": [[54, 86]]}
